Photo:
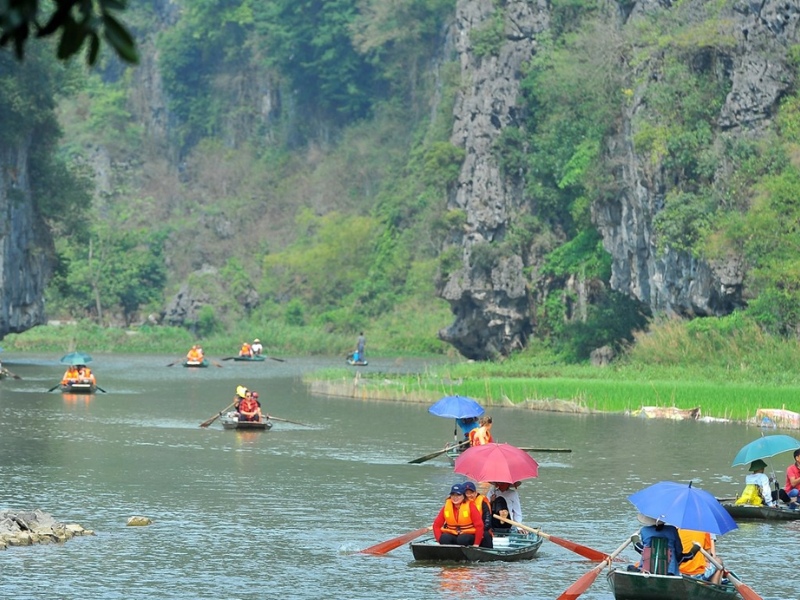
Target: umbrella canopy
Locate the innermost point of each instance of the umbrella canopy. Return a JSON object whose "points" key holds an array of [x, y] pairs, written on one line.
{"points": [[76, 358], [683, 506], [764, 447], [496, 462], [456, 407]]}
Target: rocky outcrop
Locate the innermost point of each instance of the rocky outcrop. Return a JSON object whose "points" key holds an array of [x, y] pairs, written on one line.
{"points": [[490, 301], [24, 528], [25, 245]]}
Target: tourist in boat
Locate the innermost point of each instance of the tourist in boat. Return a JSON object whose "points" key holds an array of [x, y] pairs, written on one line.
{"points": [[466, 425], [256, 347], [757, 491], [241, 392], [246, 350], [249, 408], [791, 490], [483, 434], [195, 354], [483, 505], [85, 374], [695, 564], [501, 489], [500, 508], [70, 375], [653, 528], [458, 521]]}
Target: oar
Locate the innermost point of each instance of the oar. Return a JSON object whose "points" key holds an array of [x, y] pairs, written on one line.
{"points": [[547, 449], [584, 551], [14, 375], [422, 459], [229, 358], [216, 416], [216, 364], [288, 421], [99, 388], [175, 362], [54, 387], [744, 590], [393, 543], [586, 580], [275, 358]]}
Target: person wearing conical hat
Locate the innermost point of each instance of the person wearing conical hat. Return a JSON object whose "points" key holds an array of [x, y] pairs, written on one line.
{"points": [[757, 490], [256, 347]]}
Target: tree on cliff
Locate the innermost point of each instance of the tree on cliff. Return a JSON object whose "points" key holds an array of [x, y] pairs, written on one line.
{"points": [[78, 21]]}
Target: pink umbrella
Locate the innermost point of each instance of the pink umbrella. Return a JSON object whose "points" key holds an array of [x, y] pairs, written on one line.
{"points": [[496, 462]]}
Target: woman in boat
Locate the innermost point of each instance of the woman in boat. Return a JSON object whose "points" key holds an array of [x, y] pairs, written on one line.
{"points": [[246, 350], [85, 374], [694, 562], [70, 375], [483, 434], [459, 522], [483, 505], [195, 354], [757, 490]]}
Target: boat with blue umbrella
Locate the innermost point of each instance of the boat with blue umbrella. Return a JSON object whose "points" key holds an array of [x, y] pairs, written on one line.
{"points": [[78, 379], [764, 447], [685, 507], [465, 411]]}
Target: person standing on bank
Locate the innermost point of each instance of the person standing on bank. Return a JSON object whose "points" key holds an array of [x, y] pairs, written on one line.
{"points": [[360, 345]]}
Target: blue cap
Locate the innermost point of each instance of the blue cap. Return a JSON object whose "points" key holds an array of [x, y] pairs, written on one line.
{"points": [[457, 489], [469, 486]]}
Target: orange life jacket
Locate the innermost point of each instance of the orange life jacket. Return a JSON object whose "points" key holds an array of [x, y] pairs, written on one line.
{"points": [[457, 522], [480, 437]]}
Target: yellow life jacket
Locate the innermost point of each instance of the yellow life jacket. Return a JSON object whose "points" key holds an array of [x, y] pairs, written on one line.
{"points": [[460, 522], [751, 495]]}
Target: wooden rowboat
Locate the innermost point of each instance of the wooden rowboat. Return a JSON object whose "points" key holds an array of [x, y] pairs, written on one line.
{"points": [[747, 512], [231, 421], [256, 358], [196, 364], [79, 387], [633, 585], [510, 547]]}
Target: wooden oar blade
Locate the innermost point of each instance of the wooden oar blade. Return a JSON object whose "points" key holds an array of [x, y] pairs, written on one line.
{"points": [[275, 358], [584, 551], [547, 449], [422, 459], [390, 545], [745, 591], [216, 416], [583, 584], [54, 387]]}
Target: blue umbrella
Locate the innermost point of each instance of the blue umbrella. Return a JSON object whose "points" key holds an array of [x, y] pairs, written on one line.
{"points": [[76, 358], [764, 447], [456, 407], [683, 506]]}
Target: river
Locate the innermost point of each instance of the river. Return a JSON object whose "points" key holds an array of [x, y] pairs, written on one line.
{"points": [[241, 516]]}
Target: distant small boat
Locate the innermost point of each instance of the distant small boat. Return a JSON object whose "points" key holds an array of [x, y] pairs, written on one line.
{"points": [[79, 387], [254, 358], [634, 585], [196, 364], [748, 512], [231, 421], [510, 547], [356, 363]]}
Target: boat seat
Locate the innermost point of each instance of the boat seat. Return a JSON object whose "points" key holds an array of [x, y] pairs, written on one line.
{"points": [[655, 558]]}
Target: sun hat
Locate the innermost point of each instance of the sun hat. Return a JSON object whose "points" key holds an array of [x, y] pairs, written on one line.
{"points": [[469, 486], [457, 489], [257, 340], [757, 465], [645, 520], [241, 391]]}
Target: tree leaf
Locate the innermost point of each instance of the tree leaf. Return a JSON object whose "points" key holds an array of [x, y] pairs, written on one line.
{"points": [[120, 39]]}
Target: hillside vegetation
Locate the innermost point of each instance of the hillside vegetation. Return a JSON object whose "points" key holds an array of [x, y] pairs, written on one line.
{"points": [[287, 163]]}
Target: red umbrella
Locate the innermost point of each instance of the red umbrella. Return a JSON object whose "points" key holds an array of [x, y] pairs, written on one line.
{"points": [[496, 462]]}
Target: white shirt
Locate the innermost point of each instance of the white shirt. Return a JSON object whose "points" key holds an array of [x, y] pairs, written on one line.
{"points": [[512, 499], [257, 347], [762, 481]]}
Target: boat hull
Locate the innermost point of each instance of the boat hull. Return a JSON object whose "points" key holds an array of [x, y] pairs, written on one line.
{"points": [[230, 421], [508, 548], [256, 358], [746, 512], [628, 585], [79, 388], [195, 364]]}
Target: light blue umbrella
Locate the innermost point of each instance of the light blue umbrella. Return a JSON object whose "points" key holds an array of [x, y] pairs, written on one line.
{"points": [[456, 407], [683, 506], [76, 358], [764, 447]]}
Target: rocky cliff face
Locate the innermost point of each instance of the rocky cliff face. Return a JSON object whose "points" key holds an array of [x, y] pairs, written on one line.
{"points": [[492, 307], [25, 246]]}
